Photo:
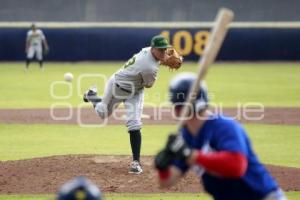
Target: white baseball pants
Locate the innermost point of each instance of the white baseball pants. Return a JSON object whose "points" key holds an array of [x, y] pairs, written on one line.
{"points": [[133, 103]]}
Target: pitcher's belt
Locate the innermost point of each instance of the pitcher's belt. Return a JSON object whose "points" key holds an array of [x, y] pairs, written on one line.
{"points": [[123, 89]]}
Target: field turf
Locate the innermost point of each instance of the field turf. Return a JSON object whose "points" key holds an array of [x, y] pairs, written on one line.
{"points": [[272, 84], [229, 84]]}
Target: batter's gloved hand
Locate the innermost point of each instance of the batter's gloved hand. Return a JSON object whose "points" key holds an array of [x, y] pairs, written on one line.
{"points": [[177, 146], [173, 60], [163, 159]]}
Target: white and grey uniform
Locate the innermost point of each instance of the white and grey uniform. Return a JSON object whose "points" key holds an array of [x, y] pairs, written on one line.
{"points": [[35, 40], [127, 85]]}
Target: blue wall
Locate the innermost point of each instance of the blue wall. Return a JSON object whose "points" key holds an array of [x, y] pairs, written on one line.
{"points": [[76, 44]]}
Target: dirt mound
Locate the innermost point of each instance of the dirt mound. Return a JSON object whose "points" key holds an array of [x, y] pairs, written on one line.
{"points": [[46, 175]]}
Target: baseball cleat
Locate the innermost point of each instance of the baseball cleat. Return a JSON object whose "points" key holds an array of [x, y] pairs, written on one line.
{"points": [[91, 96], [135, 167]]}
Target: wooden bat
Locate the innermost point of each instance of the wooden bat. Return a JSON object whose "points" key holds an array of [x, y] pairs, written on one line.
{"points": [[218, 33]]}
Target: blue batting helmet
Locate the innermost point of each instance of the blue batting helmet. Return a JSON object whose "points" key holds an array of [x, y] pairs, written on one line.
{"points": [[79, 189], [180, 87]]}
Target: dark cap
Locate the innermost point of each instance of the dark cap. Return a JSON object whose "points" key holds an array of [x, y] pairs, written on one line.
{"points": [[160, 42], [79, 188]]}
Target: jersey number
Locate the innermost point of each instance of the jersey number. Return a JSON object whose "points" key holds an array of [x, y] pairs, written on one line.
{"points": [[131, 61]]}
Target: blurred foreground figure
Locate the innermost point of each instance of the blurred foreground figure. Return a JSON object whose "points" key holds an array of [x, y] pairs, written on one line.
{"points": [[79, 189], [216, 147]]}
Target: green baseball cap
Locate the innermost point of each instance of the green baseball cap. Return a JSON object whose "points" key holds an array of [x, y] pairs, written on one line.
{"points": [[160, 42]]}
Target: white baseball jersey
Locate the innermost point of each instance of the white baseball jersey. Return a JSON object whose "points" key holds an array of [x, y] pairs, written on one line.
{"points": [[35, 38], [140, 71]]}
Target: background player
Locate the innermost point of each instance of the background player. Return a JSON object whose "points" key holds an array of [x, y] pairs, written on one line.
{"points": [[34, 41], [127, 85], [217, 148]]}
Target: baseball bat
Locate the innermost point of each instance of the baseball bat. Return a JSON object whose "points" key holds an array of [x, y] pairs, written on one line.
{"points": [[218, 33]]}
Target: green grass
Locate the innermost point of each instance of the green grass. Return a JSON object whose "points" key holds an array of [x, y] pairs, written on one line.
{"points": [[21, 141], [269, 84], [179, 196], [274, 144], [170, 196], [229, 84]]}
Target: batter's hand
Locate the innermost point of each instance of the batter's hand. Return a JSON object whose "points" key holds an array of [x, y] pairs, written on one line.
{"points": [[163, 159], [177, 146]]}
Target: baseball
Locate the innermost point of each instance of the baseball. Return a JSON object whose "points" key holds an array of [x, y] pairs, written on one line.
{"points": [[68, 77]]}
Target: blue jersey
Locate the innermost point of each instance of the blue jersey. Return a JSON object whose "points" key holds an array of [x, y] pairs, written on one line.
{"points": [[220, 133]]}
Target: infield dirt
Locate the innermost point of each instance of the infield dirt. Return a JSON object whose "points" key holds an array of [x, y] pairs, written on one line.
{"points": [[46, 175]]}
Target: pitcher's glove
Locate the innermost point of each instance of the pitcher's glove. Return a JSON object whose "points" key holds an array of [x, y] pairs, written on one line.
{"points": [[174, 60], [176, 148]]}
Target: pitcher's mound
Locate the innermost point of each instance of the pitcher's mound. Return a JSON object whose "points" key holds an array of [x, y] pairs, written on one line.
{"points": [[110, 173]]}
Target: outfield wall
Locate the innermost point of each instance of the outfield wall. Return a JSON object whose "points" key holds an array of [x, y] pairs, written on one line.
{"points": [[96, 43]]}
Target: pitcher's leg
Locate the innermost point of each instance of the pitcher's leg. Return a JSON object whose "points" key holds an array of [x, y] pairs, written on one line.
{"points": [[105, 106], [102, 107], [134, 108], [110, 100], [91, 96]]}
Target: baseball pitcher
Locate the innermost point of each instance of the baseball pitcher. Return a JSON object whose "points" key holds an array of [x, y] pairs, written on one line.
{"points": [[127, 86], [34, 41]]}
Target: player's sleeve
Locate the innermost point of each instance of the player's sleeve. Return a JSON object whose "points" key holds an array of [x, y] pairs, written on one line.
{"points": [[223, 163], [231, 137], [230, 158]]}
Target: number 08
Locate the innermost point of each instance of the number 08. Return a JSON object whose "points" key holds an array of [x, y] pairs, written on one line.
{"points": [[197, 46]]}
